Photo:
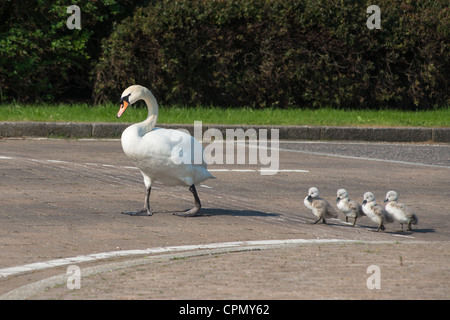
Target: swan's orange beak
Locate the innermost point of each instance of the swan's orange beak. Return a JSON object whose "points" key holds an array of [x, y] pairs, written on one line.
{"points": [[123, 106]]}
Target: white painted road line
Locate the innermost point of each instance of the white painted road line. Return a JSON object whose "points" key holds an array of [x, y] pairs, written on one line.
{"points": [[259, 170], [57, 161], [363, 158], [136, 168], [6, 272]]}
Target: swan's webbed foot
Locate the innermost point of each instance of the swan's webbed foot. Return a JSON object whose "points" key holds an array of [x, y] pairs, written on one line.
{"points": [[195, 210], [146, 210], [142, 212], [190, 213]]}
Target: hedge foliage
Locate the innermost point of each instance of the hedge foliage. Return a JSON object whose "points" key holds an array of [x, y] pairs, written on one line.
{"points": [[285, 53], [282, 53], [40, 58]]}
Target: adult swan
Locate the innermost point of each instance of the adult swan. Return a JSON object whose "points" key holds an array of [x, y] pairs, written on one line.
{"points": [[161, 154]]}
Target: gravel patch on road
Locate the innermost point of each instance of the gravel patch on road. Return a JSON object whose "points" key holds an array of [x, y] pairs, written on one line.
{"points": [[325, 271]]}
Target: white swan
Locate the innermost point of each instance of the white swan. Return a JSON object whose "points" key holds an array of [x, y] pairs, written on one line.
{"points": [[169, 156]]}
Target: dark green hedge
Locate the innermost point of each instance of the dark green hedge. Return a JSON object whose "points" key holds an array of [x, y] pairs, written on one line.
{"points": [[41, 59], [282, 53], [285, 53]]}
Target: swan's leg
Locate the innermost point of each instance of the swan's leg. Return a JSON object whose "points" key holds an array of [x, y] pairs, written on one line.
{"points": [[194, 211], [147, 201], [146, 210]]}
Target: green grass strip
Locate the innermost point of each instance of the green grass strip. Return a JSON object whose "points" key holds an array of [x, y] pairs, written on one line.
{"points": [[214, 115]]}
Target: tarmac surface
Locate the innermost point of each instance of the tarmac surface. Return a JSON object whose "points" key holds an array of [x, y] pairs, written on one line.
{"points": [[63, 198]]}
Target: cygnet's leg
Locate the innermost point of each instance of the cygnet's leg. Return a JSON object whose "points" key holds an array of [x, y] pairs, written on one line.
{"points": [[146, 210], [194, 211], [409, 226], [324, 222]]}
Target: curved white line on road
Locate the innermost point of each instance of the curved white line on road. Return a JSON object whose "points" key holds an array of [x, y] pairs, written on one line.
{"points": [[6, 272]]}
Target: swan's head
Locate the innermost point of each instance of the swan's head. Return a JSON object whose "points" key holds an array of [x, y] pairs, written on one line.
{"points": [[131, 95], [368, 197], [391, 196], [341, 194]]}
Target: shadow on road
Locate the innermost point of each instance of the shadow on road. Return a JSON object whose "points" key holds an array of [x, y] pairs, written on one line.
{"points": [[208, 212], [393, 230]]}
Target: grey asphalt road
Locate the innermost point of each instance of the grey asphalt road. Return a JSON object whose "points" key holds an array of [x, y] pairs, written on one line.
{"points": [[419, 154], [63, 198]]}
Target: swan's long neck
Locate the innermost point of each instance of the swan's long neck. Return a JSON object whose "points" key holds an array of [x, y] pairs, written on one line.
{"points": [[148, 124]]}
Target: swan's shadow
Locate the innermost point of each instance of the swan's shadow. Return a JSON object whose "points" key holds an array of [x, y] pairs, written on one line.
{"points": [[209, 212]]}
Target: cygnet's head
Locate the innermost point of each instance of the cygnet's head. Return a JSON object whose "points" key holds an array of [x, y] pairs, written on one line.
{"points": [[368, 197], [391, 196], [313, 193], [341, 194]]}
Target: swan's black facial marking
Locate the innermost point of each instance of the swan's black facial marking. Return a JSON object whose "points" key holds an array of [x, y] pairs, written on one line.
{"points": [[126, 99]]}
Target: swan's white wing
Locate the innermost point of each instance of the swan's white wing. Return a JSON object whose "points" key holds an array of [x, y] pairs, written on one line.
{"points": [[172, 157]]}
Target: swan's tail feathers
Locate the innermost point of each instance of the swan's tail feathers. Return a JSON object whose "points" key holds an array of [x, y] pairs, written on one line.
{"points": [[210, 176], [203, 175]]}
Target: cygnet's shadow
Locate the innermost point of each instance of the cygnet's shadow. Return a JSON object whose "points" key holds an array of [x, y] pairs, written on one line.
{"points": [[418, 230], [399, 231]]}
